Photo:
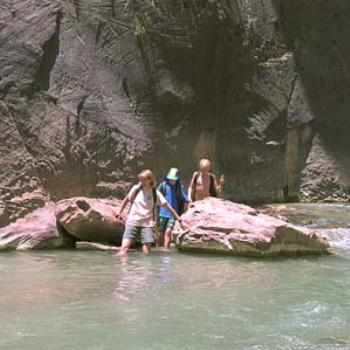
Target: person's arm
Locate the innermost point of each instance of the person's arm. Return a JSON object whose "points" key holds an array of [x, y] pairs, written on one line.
{"points": [[191, 188], [160, 187], [163, 202], [184, 195], [172, 211], [125, 202], [175, 214], [219, 184]]}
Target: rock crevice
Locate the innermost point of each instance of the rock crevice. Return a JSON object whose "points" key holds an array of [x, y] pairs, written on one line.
{"points": [[51, 49]]}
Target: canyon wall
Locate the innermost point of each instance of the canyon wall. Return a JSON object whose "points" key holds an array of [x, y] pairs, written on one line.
{"points": [[92, 91]]}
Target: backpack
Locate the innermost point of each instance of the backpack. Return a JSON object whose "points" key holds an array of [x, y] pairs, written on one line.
{"points": [[212, 190], [155, 199], [180, 201]]}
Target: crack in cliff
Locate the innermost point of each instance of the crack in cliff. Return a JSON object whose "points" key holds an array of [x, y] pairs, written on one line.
{"points": [[51, 50], [77, 9], [293, 85], [78, 126], [66, 149], [114, 12]]}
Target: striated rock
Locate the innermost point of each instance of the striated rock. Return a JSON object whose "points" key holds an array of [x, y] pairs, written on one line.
{"points": [[317, 34], [37, 230], [93, 91], [221, 226], [90, 219], [324, 178], [18, 206]]}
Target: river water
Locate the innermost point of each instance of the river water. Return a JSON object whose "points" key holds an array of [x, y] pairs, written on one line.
{"points": [[96, 301]]}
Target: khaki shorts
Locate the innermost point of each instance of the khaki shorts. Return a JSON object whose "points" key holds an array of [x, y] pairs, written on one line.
{"points": [[134, 232]]}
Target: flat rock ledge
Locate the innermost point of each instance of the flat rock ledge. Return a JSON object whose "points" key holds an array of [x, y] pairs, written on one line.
{"points": [[214, 225], [220, 226], [96, 246]]}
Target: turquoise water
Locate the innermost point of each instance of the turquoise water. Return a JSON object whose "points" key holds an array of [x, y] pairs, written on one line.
{"points": [[96, 301]]}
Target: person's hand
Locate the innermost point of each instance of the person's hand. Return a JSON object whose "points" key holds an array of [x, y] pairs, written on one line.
{"points": [[119, 218], [182, 225], [222, 180]]}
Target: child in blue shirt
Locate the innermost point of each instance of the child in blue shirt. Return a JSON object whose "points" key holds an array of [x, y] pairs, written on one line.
{"points": [[174, 193]]}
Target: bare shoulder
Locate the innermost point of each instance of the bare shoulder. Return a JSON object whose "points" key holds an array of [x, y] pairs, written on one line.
{"points": [[193, 176]]}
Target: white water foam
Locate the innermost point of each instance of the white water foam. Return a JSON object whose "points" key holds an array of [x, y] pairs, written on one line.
{"points": [[339, 238]]}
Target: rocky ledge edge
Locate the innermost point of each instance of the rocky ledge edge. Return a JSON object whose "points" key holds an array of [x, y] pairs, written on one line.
{"points": [[214, 226]]}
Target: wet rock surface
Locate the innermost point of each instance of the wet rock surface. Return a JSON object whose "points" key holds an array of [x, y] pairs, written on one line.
{"points": [[37, 230], [64, 225], [93, 91], [219, 226], [89, 219], [215, 225]]}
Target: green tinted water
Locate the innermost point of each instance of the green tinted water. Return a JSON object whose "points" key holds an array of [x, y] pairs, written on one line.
{"points": [[96, 301]]}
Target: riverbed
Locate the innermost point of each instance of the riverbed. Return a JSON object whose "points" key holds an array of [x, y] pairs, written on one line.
{"points": [[96, 301]]}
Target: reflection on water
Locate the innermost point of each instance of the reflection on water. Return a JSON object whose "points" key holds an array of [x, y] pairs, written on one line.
{"points": [[91, 300]]}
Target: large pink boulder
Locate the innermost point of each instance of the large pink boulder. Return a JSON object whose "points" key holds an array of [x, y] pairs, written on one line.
{"points": [[221, 226], [90, 219], [36, 230]]}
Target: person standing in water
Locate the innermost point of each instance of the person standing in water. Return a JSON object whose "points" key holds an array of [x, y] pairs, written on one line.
{"points": [[140, 222], [203, 183], [174, 193]]}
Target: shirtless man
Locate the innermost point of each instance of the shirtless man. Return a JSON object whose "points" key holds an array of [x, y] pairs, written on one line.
{"points": [[203, 183]]}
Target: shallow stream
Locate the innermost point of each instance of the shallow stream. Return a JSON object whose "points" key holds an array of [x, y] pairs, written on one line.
{"points": [[95, 301]]}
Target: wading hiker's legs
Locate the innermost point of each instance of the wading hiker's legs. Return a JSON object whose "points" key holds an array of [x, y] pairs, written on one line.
{"points": [[162, 229], [146, 248], [130, 233], [126, 244], [165, 238], [167, 229], [168, 237], [146, 239]]}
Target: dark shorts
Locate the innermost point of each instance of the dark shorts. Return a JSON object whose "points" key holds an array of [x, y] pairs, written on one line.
{"points": [[134, 232], [166, 223]]}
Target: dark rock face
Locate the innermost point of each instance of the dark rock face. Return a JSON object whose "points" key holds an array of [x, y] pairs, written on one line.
{"points": [[93, 91], [317, 32]]}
